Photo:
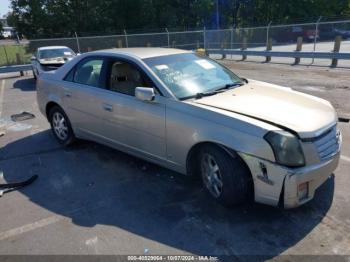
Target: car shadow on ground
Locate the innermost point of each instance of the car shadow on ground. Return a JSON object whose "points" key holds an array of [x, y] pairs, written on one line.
{"points": [[97, 185], [26, 84]]}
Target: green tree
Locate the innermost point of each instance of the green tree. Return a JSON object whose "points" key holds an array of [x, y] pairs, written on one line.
{"points": [[50, 18]]}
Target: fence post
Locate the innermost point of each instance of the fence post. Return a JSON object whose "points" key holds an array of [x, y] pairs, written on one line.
{"points": [[126, 39], [17, 38], [268, 34], [244, 47], [19, 62], [337, 43], [78, 45], [268, 42], [298, 49], [7, 59], [222, 49], [315, 36], [166, 29], [268, 48]]}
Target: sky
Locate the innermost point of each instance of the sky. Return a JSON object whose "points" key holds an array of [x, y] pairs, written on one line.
{"points": [[4, 7]]}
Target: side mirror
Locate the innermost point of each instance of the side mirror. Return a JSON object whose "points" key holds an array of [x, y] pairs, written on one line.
{"points": [[33, 58], [145, 94]]}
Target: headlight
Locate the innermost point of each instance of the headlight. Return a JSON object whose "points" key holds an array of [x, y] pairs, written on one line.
{"points": [[286, 148]]}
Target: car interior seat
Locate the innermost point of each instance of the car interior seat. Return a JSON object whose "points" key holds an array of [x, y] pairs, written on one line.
{"points": [[125, 78]]}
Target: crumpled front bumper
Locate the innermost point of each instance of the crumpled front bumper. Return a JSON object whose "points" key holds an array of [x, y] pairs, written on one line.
{"points": [[315, 175], [270, 178]]}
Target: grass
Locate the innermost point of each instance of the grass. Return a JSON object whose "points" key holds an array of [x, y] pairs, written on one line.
{"points": [[8, 55]]}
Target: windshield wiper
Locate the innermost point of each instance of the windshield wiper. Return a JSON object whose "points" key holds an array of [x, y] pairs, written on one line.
{"points": [[202, 94], [229, 86], [218, 90], [214, 92]]}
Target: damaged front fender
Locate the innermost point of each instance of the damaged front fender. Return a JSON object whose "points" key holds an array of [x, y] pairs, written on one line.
{"points": [[268, 179]]}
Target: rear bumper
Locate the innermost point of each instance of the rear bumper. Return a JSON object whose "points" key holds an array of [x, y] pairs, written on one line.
{"points": [[315, 176]]}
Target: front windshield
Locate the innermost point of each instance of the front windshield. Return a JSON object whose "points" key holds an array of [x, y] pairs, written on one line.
{"points": [[53, 53], [186, 75]]}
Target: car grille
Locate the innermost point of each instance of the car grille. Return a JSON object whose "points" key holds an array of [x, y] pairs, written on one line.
{"points": [[327, 144]]}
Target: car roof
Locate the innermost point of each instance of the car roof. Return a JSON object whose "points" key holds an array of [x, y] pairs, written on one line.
{"points": [[144, 52], [51, 47]]}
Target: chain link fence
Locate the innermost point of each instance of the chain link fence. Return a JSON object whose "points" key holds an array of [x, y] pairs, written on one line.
{"points": [[318, 36]]}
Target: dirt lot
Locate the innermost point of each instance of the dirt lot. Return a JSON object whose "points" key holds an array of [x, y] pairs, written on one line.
{"points": [[90, 199]]}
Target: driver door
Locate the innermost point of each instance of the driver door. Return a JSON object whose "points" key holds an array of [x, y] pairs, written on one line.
{"points": [[136, 125]]}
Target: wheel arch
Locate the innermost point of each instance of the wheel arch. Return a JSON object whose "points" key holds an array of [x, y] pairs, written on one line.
{"points": [[194, 152], [71, 138], [193, 169], [49, 106]]}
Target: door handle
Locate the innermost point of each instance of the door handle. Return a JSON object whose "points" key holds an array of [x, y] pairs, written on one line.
{"points": [[108, 107]]}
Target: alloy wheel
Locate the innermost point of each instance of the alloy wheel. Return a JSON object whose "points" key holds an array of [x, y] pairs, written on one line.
{"points": [[59, 125], [211, 175]]}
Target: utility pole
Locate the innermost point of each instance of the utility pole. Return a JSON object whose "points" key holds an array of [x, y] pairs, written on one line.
{"points": [[77, 39], [217, 15], [126, 39]]}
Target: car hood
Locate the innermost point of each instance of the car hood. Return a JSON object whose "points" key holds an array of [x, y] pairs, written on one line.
{"points": [[306, 115]]}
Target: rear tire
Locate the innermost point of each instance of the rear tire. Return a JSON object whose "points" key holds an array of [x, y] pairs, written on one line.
{"points": [[61, 126], [225, 176]]}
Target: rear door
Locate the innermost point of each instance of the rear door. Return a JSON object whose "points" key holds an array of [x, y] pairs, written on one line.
{"points": [[83, 94]]}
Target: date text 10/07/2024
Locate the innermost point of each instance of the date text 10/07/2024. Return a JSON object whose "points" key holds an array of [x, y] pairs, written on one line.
{"points": [[172, 258]]}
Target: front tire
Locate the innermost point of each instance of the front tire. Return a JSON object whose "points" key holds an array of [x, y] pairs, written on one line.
{"points": [[61, 126], [225, 176]]}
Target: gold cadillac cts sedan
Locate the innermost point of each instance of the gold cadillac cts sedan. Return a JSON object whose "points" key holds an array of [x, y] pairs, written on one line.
{"points": [[244, 138]]}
